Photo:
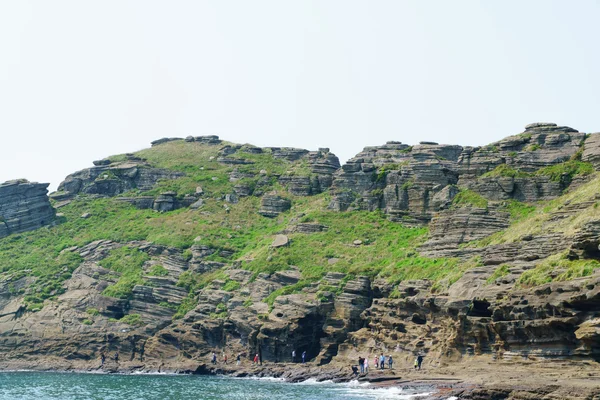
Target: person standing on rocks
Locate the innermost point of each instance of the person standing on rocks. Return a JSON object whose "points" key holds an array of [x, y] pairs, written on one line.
{"points": [[390, 361], [117, 357], [293, 356], [255, 361], [366, 362], [214, 358], [224, 358], [382, 361], [102, 359], [238, 359], [376, 362], [361, 364], [419, 361], [304, 357]]}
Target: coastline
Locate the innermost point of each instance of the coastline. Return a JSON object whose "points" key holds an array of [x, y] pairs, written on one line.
{"points": [[472, 381]]}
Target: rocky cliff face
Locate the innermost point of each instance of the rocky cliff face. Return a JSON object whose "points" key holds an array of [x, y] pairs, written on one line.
{"points": [[414, 182], [24, 206], [505, 271]]}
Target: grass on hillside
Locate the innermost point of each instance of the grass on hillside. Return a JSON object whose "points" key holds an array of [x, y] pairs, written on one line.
{"points": [[557, 268], [469, 198], [128, 262], [537, 221]]}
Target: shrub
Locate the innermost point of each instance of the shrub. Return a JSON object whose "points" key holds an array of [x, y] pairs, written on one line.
{"points": [[132, 319], [158, 270], [92, 312]]}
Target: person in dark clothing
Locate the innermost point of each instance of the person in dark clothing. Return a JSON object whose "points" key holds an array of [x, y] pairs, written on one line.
{"points": [[390, 361], [102, 358], [238, 359], [361, 364], [354, 370], [303, 357], [116, 357], [214, 358], [419, 361]]}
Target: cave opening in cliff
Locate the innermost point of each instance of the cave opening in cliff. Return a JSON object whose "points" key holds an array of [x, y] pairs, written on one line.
{"points": [[480, 308]]}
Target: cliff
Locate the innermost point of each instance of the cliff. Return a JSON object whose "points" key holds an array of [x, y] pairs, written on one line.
{"points": [[473, 256]]}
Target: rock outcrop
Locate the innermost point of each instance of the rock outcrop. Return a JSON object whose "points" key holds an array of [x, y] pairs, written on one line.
{"points": [[411, 183], [24, 206], [115, 178]]}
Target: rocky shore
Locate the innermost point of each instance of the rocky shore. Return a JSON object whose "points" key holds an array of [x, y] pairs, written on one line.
{"points": [[477, 380]]}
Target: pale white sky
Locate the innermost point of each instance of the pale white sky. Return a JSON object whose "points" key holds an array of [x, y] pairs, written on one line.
{"points": [[81, 80]]}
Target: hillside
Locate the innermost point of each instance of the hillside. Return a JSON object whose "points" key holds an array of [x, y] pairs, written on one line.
{"points": [[197, 244]]}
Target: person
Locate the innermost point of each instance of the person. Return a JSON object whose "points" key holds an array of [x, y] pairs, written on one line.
{"points": [[293, 356], [361, 364], [214, 358], [224, 358], [102, 358], [382, 361], [116, 357], [376, 362], [354, 370], [419, 361], [390, 361], [303, 357], [416, 362], [256, 359], [238, 359], [366, 362]]}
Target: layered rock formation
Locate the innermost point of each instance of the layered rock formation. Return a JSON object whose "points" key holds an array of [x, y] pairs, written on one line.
{"points": [[520, 284], [24, 206], [414, 182]]}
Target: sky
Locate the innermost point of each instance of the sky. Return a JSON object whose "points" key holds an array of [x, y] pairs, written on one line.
{"points": [[82, 80]]}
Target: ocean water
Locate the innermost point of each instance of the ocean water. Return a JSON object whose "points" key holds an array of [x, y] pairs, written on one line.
{"points": [[75, 386]]}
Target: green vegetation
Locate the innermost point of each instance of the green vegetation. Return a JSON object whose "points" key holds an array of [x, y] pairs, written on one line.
{"points": [[158, 270], [407, 185], [295, 288], [505, 170], [231, 285], [187, 305], [128, 262], [388, 249], [469, 198], [557, 268], [93, 312], [533, 147], [565, 172], [132, 319], [518, 210], [501, 271]]}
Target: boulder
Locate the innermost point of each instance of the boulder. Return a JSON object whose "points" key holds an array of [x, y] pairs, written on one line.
{"points": [[273, 205], [280, 241]]}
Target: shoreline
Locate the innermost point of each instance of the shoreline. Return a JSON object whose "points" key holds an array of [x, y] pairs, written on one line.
{"points": [[428, 389], [475, 380]]}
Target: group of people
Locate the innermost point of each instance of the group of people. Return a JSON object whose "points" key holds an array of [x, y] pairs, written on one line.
{"points": [[379, 362], [238, 358]]}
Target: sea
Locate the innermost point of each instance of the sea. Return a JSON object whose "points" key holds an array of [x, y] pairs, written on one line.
{"points": [[80, 386]]}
